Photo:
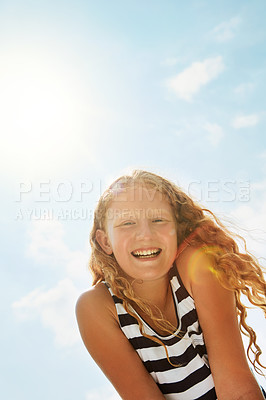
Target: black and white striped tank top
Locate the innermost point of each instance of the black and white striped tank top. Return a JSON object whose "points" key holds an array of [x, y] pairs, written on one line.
{"points": [[192, 379]]}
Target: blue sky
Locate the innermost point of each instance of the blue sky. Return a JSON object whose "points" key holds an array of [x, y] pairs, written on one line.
{"points": [[89, 90]]}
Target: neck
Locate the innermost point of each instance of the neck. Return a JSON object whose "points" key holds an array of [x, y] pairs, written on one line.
{"points": [[155, 292], [159, 296]]}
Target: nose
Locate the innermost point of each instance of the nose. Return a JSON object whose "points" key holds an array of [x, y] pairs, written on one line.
{"points": [[144, 230]]}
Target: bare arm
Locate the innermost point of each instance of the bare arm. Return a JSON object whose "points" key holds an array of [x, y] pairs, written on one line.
{"points": [[217, 315], [110, 348]]}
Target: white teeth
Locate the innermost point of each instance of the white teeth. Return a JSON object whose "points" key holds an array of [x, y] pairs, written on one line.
{"points": [[146, 252]]}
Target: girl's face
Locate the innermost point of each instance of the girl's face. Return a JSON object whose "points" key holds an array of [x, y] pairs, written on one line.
{"points": [[140, 232]]}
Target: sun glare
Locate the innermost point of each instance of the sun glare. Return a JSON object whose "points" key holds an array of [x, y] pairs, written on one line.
{"points": [[41, 123]]}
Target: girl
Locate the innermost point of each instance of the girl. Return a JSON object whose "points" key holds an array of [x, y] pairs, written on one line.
{"points": [[164, 316]]}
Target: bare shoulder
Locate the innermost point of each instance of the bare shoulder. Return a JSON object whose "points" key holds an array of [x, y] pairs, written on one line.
{"points": [[97, 302], [110, 348], [95, 294], [194, 266]]}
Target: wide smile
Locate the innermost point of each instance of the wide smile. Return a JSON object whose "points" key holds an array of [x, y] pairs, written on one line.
{"points": [[146, 253]]}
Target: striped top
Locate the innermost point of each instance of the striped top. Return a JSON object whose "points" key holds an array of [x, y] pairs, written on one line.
{"points": [[192, 379]]}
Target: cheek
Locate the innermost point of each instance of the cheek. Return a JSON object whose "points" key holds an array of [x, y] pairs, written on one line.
{"points": [[172, 232], [118, 240]]}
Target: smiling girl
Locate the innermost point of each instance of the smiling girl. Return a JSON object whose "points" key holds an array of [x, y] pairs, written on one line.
{"points": [[164, 315]]}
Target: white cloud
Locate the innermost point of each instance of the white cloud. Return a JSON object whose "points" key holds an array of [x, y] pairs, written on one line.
{"points": [[47, 246], [215, 133], [226, 30], [188, 82], [244, 88], [106, 393], [55, 307], [244, 121]]}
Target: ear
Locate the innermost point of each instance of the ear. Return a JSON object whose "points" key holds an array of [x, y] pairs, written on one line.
{"points": [[103, 241]]}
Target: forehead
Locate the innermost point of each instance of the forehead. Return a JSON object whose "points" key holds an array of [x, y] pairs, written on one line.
{"points": [[139, 197]]}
